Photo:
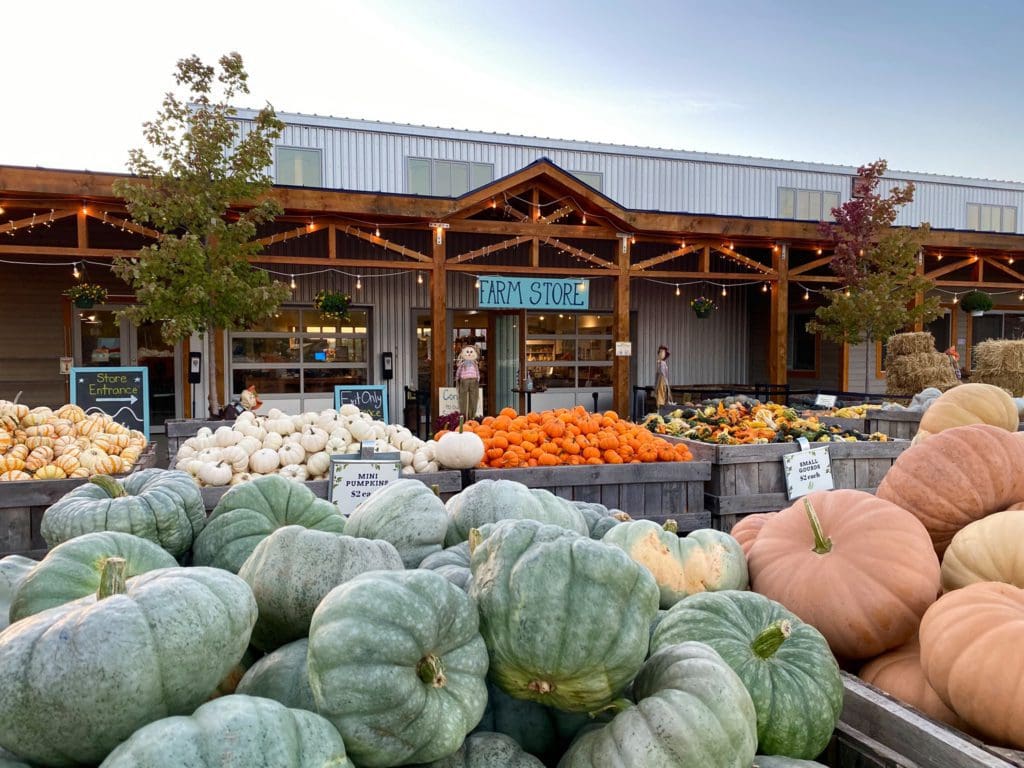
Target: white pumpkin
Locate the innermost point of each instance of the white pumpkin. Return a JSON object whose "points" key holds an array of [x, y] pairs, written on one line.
{"points": [[313, 439], [294, 472], [294, 437], [250, 444], [406, 458], [245, 417], [459, 450], [341, 433], [407, 470], [194, 466], [361, 430], [209, 454], [264, 460], [281, 426], [410, 443], [275, 413], [336, 445], [291, 453], [225, 436], [236, 456], [379, 430], [348, 410], [183, 464], [420, 460], [204, 432], [318, 464], [185, 451], [218, 473], [298, 422], [90, 457], [241, 477], [248, 429], [273, 440], [432, 467], [202, 443]]}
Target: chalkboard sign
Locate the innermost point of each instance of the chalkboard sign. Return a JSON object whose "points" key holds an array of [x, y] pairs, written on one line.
{"points": [[372, 399], [121, 393]]}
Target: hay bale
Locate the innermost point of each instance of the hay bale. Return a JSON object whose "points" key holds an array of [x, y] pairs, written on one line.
{"points": [[900, 344], [1000, 363], [909, 374]]}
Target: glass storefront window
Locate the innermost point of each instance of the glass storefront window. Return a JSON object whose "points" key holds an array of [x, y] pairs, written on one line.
{"points": [[550, 324], [553, 377], [284, 321], [569, 350], [324, 379], [599, 325], [265, 350], [272, 381]]}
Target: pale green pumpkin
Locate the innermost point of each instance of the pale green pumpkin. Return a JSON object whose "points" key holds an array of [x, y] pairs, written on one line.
{"points": [[162, 505], [488, 501], [78, 679], [566, 618], [703, 560], [406, 513], [487, 750], [774, 761], [397, 663], [294, 568], [453, 564], [281, 676], [72, 570], [13, 569], [8, 760], [542, 731], [242, 731], [600, 519], [251, 511], [691, 710]]}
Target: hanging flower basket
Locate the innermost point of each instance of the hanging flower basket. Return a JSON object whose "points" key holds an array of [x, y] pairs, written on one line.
{"points": [[977, 303], [333, 305], [85, 295], [702, 307]]}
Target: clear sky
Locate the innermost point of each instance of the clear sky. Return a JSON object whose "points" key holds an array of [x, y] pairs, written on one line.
{"points": [[931, 86]]}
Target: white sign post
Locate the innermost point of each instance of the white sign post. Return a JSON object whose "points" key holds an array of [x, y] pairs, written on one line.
{"points": [[354, 477], [806, 471]]}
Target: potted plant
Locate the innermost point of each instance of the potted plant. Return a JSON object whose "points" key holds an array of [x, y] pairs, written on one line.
{"points": [[333, 305], [84, 295], [977, 303], [702, 306]]}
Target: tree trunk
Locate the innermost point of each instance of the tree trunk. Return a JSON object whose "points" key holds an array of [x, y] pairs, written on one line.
{"points": [[868, 349], [211, 375]]}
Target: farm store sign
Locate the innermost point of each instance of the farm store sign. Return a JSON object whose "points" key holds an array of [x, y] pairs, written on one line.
{"points": [[533, 293]]}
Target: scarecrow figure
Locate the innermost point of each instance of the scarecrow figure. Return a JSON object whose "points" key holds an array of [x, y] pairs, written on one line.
{"points": [[662, 391], [467, 380]]}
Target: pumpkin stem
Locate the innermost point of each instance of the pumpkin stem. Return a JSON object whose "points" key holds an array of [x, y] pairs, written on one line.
{"points": [[771, 638], [462, 421], [822, 544], [111, 577], [430, 671], [622, 517], [671, 526], [475, 538], [436, 489], [540, 686], [619, 705], [112, 488]]}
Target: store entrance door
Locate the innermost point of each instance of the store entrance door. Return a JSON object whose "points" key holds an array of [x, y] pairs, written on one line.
{"points": [[505, 360], [101, 340]]}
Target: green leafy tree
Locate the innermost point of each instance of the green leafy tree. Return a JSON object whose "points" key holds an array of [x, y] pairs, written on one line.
{"points": [[877, 268], [197, 277]]}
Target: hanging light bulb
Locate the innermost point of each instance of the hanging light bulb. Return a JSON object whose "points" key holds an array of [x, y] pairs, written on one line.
{"points": [[724, 292], [956, 298], [819, 251], [682, 244], [677, 290], [846, 293], [584, 218], [1020, 296], [938, 256], [764, 287], [477, 283], [293, 282], [376, 231], [1011, 259], [632, 240], [75, 271], [419, 279], [359, 283], [807, 295]]}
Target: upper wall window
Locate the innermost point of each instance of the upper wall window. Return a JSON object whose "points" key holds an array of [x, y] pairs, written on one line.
{"points": [[807, 204], [299, 167], [446, 178], [991, 218], [590, 178]]}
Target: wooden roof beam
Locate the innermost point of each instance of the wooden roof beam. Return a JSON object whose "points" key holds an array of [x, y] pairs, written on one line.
{"points": [[126, 224], [37, 220], [756, 265], [1003, 267], [809, 266], [291, 234], [953, 267], [487, 250], [652, 262], [409, 253], [579, 253]]}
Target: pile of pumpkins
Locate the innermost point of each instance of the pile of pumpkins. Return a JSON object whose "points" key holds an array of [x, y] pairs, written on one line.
{"points": [[919, 587], [506, 627], [300, 446], [46, 444]]}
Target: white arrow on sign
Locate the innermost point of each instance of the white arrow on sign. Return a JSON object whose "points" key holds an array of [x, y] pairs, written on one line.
{"points": [[133, 399]]}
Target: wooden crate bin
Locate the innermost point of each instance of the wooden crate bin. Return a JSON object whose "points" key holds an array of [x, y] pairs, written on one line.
{"points": [[901, 425], [749, 478], [658, 491]]}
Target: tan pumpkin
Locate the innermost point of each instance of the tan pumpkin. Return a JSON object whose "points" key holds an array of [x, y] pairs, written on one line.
{"points": [[130, 454], [990, 549], [71, 412], [108, 465], [62, 427], [89, 458], [38, 442], [39, 457], [80, 472], [42, 430], [6, 441], [14, 475], [898, 672], [19, 451], [956, 477], [971, 641], [68, 463], [746, 529], [90, 426], [16, 411], [37, 416], [857, 567], [110, 444], [62, 443], [970, 404], [50, 472], [11, 463]]}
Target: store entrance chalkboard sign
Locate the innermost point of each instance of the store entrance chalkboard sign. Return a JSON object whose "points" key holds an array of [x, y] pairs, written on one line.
{"points": [[372, 399], [121, 393]]}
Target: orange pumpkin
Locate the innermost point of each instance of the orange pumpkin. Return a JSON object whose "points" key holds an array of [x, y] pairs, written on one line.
{"points": [[746, 529], [860, 569], [955, 477], [898, 672], [6, 441], [971, 642]]}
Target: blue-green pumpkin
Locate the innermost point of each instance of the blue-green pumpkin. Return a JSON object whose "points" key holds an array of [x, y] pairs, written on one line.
{"points": [[539, 730], [785, 663], [13, 569], [600, 519], [72, 570], [162, 505], [566, 618], [397, 663], [281, 676], [242, 731], [251, 511], [691, 710], [405, 513], [488, 501], [453, 564], [774, 761], [487, 750], [78, 679]]}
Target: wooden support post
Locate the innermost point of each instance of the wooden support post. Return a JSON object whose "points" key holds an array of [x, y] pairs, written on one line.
{"points": [[535, 252], [332, 241], [438, 324], [919, 296], [705, 259], [83, 229], [779, 318], [620, 366]]}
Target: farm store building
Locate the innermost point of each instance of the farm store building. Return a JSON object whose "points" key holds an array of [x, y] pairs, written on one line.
{"points": [[410, 220]]}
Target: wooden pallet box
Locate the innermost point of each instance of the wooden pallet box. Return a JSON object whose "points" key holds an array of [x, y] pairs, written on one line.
{"points": [[658, 491], [750, 478], [901, 425]]}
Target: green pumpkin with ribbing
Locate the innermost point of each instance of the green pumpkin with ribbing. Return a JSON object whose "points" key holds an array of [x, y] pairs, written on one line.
{"points": [[13, 569], [397, 663], [162, 505], [453, 564], [691, 710], [487, 750], [566, 618], [72, 570], [774, 761], [294, 568], [251, 511], [539, 730], [235, 731], [600, 519], [7, 760], [281, 676], [405, 513], [78, 679], [703, 560], [489, 501], [785, 663]]}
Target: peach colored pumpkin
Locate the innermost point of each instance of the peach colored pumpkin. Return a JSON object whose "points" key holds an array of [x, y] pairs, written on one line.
{"points": [[956, 477], [898, 673], [971, 654], [746, 529], [14, 475], [989, 549], [970, 404], [861, 570]]}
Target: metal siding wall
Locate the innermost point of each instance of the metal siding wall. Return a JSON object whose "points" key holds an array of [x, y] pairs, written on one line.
{"points": [[855, 382], [944, 206]]}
